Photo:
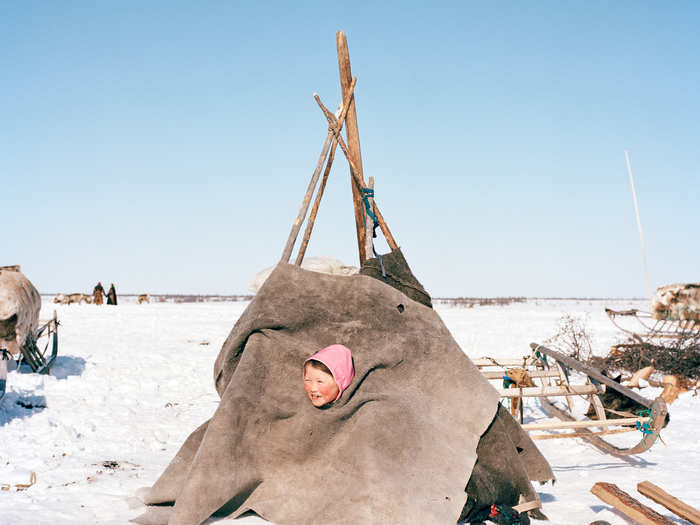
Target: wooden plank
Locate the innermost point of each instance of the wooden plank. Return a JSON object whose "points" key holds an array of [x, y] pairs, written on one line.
{"points": [[353, 136], [582, 434], [586, 423], [548, 391], [495, 374], [672, 503], [658, 411], [612, 495], [489, 361]]}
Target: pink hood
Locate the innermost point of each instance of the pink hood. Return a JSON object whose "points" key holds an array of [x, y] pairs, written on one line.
{"points": [[338, 359]]}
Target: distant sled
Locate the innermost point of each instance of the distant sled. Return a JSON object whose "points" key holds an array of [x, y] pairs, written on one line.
{"points": [[675, 315]]}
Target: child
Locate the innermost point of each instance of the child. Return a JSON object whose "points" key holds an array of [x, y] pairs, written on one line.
{"points": [[327, 373]]}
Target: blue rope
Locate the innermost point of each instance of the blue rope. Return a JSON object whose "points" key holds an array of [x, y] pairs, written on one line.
{"points": [[366, 194], [644, 428]]}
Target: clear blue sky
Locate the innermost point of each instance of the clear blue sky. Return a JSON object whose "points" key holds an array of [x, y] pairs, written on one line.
{"points": [[166, 146]]}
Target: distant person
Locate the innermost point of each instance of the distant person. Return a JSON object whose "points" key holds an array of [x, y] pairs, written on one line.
{"points": [[112, 295], [327, 373], [97, 294]]}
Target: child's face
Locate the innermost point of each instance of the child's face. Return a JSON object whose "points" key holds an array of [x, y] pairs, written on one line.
{"points": [[320, 386]]}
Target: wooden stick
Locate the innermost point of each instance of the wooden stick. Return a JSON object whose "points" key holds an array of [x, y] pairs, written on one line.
{"points": [[353, 135], [317, 203], [354, 174], [369, 226], [532, 373], [547, 391], [673, 504], [612, 495], [581, 434], [586, 423], [296, 225]]}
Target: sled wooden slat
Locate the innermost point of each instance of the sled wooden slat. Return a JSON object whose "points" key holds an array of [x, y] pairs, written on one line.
{"points": [[672, 503], [584, 424], [612, 495], [586, 434], [549, 391], [487, 361], [493, 374]]}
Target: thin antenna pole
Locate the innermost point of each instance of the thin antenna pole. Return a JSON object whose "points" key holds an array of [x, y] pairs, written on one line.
{"points": [[639, 225]]}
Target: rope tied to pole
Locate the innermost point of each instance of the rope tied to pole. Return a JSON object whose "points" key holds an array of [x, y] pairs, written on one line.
{"points": [[646, 427], [368, 193]]}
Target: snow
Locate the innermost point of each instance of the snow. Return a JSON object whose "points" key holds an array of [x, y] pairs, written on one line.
{"points": [[131, 382]]}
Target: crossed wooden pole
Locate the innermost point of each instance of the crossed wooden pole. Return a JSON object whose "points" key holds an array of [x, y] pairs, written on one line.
{"points": [[346, 115]]}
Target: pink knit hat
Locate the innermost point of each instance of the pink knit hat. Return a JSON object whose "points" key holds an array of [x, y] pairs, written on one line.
{"points": [[338, 359]]}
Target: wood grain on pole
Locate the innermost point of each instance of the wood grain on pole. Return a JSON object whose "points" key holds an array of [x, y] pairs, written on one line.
{"points": [[369, 226], [317, 203], [296, 225], [353, 135], [612, 495], [672, 503], [357, 178]]}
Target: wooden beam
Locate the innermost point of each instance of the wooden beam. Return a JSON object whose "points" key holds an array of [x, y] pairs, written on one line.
{"points": [[586, 423], [495, 374], [672, 503], [582, 434], [354, 172], [296, 225], [548, 391], [314, 211], [612, 495], [353, 135], [488, 361]]}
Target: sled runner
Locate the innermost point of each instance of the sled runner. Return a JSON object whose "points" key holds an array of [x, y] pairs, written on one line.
{"points": [[644, 327], [38, 353], [547, 374]]}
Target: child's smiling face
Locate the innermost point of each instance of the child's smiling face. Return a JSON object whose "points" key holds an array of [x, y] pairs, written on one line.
{"points": [[320, 386]]}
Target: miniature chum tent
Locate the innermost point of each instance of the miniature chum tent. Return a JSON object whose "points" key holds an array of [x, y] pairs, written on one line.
{"points": [[418, 437]]}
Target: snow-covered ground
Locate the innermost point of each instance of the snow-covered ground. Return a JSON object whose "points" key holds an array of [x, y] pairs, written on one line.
{"points": [[131, 382]]}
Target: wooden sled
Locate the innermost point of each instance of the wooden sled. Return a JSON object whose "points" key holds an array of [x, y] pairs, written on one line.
{"points": [[38, 353], [549, 374], [40, 360], [645, 328]]}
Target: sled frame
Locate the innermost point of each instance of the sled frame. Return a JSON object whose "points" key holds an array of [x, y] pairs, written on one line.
{"points": [[552, 370], [650, 328]]}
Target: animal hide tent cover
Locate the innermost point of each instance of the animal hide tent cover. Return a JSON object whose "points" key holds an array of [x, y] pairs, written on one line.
{"points": [[399, 446]]}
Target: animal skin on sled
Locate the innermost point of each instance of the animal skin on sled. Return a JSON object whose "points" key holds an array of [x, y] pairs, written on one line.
{"points": [[20, 303], [677, 301], [399, 446]]}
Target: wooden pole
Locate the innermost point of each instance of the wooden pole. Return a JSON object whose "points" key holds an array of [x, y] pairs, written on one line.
{"points": [[558, 425], [369, 227], [358, 180], [612, 495], [317, 203], [639, 226], [353, 135], [296, 225], [672, 503]]}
